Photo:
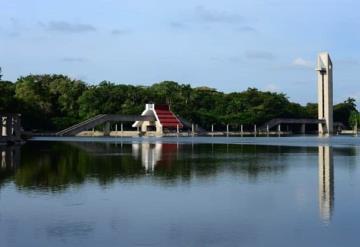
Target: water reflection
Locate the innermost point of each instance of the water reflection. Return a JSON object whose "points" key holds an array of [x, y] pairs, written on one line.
{"points": [[55, 166], [153, 155], [149, 154], [10, 157], [326, 182], [9, 161]]}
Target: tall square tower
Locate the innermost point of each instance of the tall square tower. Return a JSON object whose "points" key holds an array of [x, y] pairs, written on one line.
{"points": [[325, 93]]}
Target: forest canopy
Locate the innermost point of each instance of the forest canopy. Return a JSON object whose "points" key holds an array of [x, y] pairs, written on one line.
{"points": [[54, 102]]}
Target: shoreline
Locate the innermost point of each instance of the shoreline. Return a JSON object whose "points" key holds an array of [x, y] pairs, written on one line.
{"points": [[301, 141]]}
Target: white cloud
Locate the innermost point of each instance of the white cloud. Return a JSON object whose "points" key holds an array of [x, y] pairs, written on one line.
{"points": [[300, 62]]}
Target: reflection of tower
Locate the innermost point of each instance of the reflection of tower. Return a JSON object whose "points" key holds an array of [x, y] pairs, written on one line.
{"points": [[150, 154], [325, 93], [326, 182]]}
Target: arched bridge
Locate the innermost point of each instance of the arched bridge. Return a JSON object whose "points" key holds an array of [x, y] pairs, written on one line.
{"points": [[100, 119]]}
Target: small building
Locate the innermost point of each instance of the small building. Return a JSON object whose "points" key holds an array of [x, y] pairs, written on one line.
{"points": [[165, 120], [10, 128]]}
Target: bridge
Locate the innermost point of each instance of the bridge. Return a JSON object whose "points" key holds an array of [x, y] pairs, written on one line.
{"points": [[101, 119], [300, 121], [279, 121]]}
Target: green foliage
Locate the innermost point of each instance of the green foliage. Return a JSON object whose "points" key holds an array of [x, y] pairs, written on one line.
{"points": [[8, 102], [342, 111], [53, 102], [354, 119]]}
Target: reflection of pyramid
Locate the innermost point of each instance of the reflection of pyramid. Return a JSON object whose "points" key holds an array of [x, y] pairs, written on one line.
{"points": [[326, 183], [154, 154], [150, 154]]}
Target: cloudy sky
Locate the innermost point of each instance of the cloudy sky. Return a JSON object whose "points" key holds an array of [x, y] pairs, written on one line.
{"points": [[229, 45]]}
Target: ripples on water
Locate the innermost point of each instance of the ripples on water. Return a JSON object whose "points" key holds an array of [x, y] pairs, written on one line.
{"points": [[180, 192]]}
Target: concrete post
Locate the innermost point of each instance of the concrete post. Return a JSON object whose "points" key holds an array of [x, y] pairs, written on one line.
{"points": [[212, 128], [8, 126], [303, 129], [2, 126], [242, 130], [116, 127], [177, 129], [227, 130], [18, 128], [356, 129], [107, 129], [267, 130], [122, 128], [192, 129], [279, 129], [255, 129]]}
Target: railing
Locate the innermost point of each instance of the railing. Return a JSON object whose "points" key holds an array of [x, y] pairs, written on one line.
{"points": [[276, 121]]}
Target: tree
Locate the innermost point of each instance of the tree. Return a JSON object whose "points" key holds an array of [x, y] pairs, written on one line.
{"points": [[8, 102], [354, 119], [53, 102], [343, 111]]}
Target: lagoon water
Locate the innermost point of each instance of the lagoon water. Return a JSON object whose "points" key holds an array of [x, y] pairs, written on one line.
{"points": [[295, 191]]}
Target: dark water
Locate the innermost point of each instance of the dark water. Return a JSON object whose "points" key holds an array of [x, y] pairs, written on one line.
{"points": [[180, 194]]}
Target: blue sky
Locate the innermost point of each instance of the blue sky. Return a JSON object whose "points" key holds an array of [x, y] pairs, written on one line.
{"points": [[229, 45]]}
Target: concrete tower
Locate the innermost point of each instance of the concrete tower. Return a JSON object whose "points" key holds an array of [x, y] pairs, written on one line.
{"points": [[325, 93]]}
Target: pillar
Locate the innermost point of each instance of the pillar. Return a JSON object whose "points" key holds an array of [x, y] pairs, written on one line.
{"points": [[192, 129], [242, 130], [177, 129], [212, 128], [279, 129], [227, 130], [116, 127], [303, 129], [2, 126], [107, 129], [267, 130], [325, 93], [356, 129], [9, 126], [254, 129], [18, 127]]}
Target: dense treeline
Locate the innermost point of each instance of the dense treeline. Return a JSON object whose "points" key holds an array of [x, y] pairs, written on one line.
{"points": [[53, 102]]}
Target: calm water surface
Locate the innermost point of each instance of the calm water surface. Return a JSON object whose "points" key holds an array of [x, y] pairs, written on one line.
{"points": [[136, 192]]}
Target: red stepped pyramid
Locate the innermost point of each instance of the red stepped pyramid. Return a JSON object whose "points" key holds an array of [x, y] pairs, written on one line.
{"points": [[166, 117]]}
